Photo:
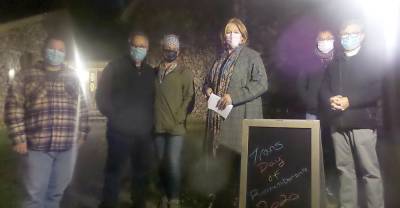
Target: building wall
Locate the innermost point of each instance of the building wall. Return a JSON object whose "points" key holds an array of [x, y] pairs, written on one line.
{"points": [[21, 43]]}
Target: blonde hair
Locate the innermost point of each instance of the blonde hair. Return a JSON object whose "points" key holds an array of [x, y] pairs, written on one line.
{"points": [[242, 28], [324, 32]]}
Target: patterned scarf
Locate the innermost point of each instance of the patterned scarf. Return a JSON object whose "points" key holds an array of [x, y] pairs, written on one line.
{"points": [[165, 69], [325, 58], [219, 78]]}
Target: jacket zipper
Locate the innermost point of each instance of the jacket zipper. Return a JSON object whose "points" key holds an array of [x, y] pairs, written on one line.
{"points": [[341, 89]]}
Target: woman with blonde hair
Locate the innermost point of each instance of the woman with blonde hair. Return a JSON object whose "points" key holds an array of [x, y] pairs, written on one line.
{"points": [[238, 76]]}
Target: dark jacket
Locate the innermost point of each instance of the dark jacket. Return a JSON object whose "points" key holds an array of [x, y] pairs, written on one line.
{"points": [[308, 86], [309, 82], [173, 98], [358, 78], [125, 95]]}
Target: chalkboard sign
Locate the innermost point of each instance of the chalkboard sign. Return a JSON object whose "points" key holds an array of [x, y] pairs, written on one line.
{"points": [[280, 164]]}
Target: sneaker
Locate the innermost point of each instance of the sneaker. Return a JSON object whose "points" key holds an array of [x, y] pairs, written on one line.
{"points": [[163, 202], [236, 202], [174, 203], [211, 198]]}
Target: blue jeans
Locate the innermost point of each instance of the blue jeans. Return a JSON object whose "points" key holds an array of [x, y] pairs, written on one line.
{"points": [[310, 116], [46, 176], [138, 150], [169, 151]]}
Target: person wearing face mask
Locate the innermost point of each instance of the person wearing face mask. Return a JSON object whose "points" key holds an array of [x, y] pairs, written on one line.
{"points": [[47, 119], [239, 77], [350, 95], [308, 88], [174, 95], [125, 96], [309, 82]]}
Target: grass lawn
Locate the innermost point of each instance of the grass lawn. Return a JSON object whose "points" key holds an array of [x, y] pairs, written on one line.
{"points": [[9, 188], [195, 186], [10, 191]]}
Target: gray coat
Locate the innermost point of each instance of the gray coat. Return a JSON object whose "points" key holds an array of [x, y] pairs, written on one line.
{"points": [[248, 82]]}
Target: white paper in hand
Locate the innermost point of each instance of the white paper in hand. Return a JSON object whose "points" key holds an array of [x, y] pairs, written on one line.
{"points": [[212, 105]]}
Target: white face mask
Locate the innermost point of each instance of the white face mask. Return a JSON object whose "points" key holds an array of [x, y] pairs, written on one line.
{"points": [[233, 39], [325, 46]]}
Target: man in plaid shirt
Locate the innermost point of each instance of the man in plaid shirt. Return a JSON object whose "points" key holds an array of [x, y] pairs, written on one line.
{"points": [[47, 118]]}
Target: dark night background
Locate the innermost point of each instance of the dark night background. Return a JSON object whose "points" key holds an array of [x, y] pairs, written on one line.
{"points": [[100, 28]]}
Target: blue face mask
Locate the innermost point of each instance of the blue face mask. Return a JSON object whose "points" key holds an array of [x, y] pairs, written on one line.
{"points": [[55, 57], [351, 42], [138, 53]]}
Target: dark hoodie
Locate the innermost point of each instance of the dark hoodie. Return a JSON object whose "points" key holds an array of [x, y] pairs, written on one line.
{"points": [[125, 95]]}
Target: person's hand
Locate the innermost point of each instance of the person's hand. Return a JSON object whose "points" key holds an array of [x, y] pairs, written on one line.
{"points": [[224, 101], [21, 148], [344, 103], [80, 142], [208, 92], [335, 102]]}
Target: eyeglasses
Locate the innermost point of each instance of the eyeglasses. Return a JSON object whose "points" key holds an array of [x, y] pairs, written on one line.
{"points": [[350, 35], [329, 39], [139, 46]]}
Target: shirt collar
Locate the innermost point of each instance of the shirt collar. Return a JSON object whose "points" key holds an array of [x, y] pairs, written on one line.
{"points": [[352, 52]]}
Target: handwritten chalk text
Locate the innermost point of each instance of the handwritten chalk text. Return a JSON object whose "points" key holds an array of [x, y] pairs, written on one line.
{"points": [[283, 182], [260, 154], [283, 199]]}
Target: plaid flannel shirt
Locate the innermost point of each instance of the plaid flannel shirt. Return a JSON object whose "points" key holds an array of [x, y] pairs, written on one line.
{"points": [[46, 110]]}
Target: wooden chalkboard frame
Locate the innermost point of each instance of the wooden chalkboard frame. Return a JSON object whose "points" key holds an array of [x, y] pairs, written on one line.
{"points": [[314, 125]]}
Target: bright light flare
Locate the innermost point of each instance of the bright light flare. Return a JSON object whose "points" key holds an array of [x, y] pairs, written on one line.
{"points": [[385, 14], [81, 70], [11, 74], [83, 76]]}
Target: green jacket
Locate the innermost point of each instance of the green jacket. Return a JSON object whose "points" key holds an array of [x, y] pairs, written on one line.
{"points": [[173, 97]]}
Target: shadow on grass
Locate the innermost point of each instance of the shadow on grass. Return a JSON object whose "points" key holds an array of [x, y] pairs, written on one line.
{"points": [[85, 190]]}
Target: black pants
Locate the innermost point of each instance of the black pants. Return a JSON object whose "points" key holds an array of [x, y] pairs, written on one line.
{"points": [[228, 168], [121, 147]]}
